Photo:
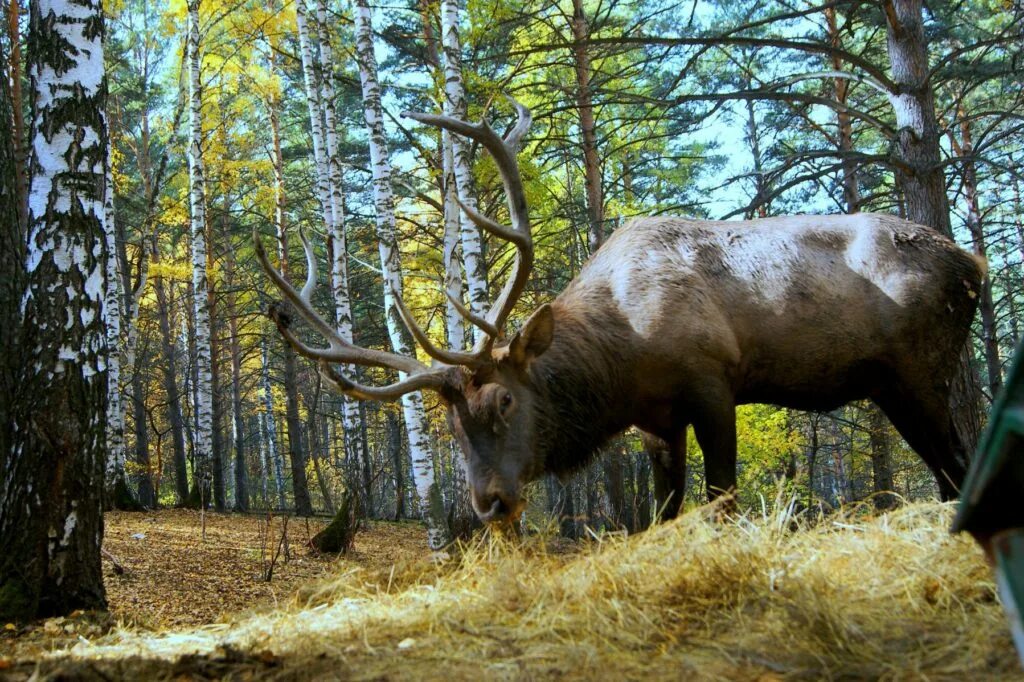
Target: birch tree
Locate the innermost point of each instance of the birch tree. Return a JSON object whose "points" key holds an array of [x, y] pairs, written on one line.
{"points": [[455, 105], [270, 424], [320, 101], [51, 523], [200, 287], [119, 495], [412, 403], [296, 451], [132, 291], [454, 321]]}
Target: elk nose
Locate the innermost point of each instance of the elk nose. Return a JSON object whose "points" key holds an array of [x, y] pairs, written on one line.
{"points": [[499, 511]]}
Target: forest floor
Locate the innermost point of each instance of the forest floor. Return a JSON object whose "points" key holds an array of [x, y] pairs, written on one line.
{"points": [[766, 596], [160, 572]]}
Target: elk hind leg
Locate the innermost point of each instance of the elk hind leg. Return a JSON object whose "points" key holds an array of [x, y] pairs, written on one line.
{"points": [[925, 422]]}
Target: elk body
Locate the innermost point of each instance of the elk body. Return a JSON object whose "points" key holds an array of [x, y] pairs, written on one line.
{"points": [[675, 322]]}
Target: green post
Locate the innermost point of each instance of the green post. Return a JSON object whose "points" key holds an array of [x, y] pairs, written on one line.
{"points": [[992, 500]]}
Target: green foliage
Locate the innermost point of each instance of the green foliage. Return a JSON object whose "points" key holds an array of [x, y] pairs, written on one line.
{"points": [[710, 129]]}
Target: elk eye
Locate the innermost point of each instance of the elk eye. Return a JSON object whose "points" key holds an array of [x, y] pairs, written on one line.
{"points": [[505, 403]]}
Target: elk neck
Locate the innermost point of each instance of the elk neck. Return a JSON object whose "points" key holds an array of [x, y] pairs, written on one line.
{"points": [[583, 385]]}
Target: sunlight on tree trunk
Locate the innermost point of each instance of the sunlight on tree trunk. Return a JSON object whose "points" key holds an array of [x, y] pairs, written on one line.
{"points": [[51, 523], [420, 449], [203, 474]]}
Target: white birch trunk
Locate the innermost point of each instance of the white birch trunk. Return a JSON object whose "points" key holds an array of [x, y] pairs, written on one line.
{"points": [[455, 323], [115, 475], [273, 451], [315, 115], [51, 520], [197, 197], [261, 429], [455, 105], [412, 403], [336, 221]]}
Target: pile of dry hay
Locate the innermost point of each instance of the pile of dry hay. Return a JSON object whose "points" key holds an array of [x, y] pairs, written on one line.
{"points": [[893, 596]]}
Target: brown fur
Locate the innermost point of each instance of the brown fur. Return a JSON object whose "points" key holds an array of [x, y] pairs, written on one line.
{"points": [[675, 322]]}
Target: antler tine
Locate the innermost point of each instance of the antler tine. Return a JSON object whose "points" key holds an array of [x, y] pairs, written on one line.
{"points": [[433, 379], [504, 153], [311, 271], [338, 349], [515, 136], [497, 229], [482, 324], [446, 356]]}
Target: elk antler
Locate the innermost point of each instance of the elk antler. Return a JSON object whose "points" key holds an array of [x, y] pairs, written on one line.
{"points": [[339, 350], [419, 376], [503, 151]]}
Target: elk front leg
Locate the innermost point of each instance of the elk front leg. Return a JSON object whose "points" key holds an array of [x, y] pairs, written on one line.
{"points": [[715, 428], [668, 464]]}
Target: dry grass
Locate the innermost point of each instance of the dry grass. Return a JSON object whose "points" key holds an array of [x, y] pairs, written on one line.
{"points": [[892, 597]]}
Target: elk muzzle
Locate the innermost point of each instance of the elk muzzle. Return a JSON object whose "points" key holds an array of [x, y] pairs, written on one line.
{"points": [[498, 506]]}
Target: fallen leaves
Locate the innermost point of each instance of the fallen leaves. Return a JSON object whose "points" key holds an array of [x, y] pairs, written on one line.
{"points": [[172, 578]]}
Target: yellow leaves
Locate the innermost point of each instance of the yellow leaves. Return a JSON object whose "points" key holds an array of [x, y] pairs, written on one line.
{"points": [[175, 270], [174, 210]]}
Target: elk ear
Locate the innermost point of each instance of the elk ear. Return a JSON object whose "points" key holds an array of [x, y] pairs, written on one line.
{"points": [[534, 338]]}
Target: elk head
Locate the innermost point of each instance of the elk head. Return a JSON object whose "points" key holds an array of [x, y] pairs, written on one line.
{"points": [[492, 406]]}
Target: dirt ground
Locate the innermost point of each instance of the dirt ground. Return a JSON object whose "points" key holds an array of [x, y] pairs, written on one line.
{"points": [[160, 572]]}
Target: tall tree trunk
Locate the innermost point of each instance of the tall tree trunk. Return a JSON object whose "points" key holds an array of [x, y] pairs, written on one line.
{"points": [[394, 431], [197, 200], [17, 133], [271, 426], [13, 493], [241, 501], [448, 186], [241, 478], [844, 122], [296, 449], [51, 521], [296, 452], [568, 525], [316, 448], [169, 369], [265, 464], [585, 110], [329, 171], [813, 448], [454, 322], [412, 403], [147, 493], [881, 465], [217, 403], [964, 148], [588, 497], [455, 105], [119, 495], [365, 459], [132, 306], [919, 174], [759, 205]]}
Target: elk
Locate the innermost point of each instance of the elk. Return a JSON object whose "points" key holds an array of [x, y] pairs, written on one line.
{"points": [[674, 322]]}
